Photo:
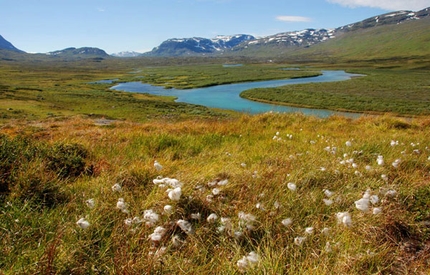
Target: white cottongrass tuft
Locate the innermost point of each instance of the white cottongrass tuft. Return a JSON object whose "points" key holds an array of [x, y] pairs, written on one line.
{"points": [[380, 160], [177, 241], [216, 191], [150, 217], [83, 223], [377, 210], [362, 204], [196, 216], [391, 193], [299, 240], [175, 194], [248, 219], [212, 218], [396, 163], [157, 165], [344, 218], [328, 193], [348, 143], [326, 231], [222, 182], [384, 177], [158, 234], [168, 209], [309, 230], [248, 261], [122, 205], [328, 202], [116, 187], [243, 164], [394, 142], [163, 182], [90, 203], [185, 226], [374, 199], [287, 222], [292, 186]]}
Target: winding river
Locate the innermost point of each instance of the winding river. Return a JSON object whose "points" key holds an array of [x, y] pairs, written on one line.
{"points": [[227, 96]]}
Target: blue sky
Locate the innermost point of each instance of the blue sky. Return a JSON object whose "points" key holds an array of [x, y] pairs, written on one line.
{"points": [[139, 25]]}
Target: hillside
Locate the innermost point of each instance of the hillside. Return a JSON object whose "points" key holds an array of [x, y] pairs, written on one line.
{"points": [[6, 45], [406, 40]]}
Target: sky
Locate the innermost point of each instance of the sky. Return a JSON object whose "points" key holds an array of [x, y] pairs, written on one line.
{"points": [[40, 26]]}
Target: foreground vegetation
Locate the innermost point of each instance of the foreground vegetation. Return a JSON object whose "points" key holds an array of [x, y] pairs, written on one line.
{"points": [[281, 187]]}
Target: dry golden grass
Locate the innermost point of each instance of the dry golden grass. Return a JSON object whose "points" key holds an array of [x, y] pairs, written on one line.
{"points": [[258, 163]]}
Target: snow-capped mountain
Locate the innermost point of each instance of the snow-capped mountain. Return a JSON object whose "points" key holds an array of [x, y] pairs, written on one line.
{"points": [[84, 51], [397, 17], [126, 54], [303, 38], [199, 45]]}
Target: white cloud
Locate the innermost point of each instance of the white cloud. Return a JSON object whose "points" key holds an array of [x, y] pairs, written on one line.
{"points": [[413, 5], [289, 18]]}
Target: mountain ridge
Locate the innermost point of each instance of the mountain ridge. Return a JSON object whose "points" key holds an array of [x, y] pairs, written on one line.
{"points": [[292, 39], [6, 45]]}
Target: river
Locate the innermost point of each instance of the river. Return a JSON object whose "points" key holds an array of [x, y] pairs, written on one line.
{"points": [[227, 96]]}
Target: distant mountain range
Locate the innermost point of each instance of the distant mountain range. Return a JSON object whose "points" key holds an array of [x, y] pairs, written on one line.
{"points": [[242, 44], [303, 38]]}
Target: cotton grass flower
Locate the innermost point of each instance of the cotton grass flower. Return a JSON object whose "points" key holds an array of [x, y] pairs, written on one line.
{"points": [[287, 222], [150, 217], [168, 209], [309, 230], [328, 202], [328, 193], [248, 261], [116, 187], [90, 203], [362, 204], [376, 211], [348, 143], [216, 191], [122, 205], [380, 160], [292, 186], [185, 226], [212, 218], [196, 216], [374, 199], [396, 163], [83, 223], [175, 194], [158, 234], [344, 218], [299, 240], [157, 165]]}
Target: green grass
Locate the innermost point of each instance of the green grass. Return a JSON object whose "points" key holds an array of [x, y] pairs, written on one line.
{"points": [[401, 92]]}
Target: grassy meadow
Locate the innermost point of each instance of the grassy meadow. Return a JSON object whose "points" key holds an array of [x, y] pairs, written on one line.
{"points": [[236, 194]]}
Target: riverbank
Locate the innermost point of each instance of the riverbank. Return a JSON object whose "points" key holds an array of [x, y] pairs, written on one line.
{"points": [[399, 92]]}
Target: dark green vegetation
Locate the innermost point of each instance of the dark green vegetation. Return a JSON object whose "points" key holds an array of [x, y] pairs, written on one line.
{"points": [[192, 76], [401, 92]]}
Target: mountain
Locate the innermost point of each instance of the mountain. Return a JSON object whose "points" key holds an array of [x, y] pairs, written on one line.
{"points": [[84, 52], [278, 43], [126, 54], [6, 45], [199, 45]]}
